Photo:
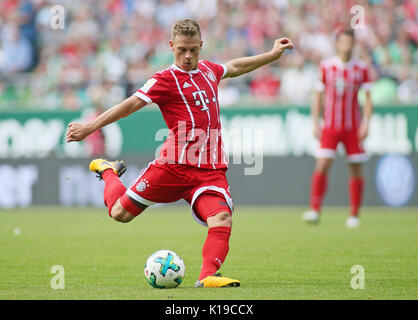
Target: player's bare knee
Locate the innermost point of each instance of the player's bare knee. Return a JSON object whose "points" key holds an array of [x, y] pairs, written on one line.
{"points": [[321, 168], [120, 218], [223, 219], [120, 214], [117, 215], [323, 165], [355, 170]]}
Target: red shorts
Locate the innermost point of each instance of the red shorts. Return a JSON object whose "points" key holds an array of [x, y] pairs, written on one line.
{"points": [[164, 183], [353, 145]]}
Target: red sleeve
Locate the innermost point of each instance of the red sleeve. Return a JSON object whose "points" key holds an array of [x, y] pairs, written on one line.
{"points": [[366, 77], [320, 84], [322, 74], [218, 70], [155, 90], [367, 81]]}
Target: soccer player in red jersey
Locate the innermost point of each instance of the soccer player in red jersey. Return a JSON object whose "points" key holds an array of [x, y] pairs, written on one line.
{"points": [[341, 77], [192, 161]]}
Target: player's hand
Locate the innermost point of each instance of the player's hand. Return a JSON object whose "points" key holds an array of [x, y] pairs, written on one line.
{"points": [[77, 131], [363, 132], [317, 132], [280, 45]]}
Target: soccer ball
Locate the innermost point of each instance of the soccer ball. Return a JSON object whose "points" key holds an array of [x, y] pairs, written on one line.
{"points": [[164, 269]]}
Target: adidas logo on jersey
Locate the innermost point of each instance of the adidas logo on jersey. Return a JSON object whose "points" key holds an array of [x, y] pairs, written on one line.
{"points": [[186, 85]]}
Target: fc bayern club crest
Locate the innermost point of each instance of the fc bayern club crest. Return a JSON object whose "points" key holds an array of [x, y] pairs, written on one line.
{"points": [[210, 75], [142, 185]]}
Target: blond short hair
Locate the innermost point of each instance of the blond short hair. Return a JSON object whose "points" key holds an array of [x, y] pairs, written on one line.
{"points": [[185, 27]]}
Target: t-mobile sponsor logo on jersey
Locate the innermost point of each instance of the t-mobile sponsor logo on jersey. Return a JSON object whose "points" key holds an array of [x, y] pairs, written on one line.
{"points": [[201, 99]]}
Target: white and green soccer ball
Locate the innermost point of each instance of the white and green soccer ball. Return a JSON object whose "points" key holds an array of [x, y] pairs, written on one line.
{"points": [[164, 269]]}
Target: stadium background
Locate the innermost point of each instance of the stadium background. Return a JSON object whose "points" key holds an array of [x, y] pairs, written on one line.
{"points": [[51, 206], [101, 52]]}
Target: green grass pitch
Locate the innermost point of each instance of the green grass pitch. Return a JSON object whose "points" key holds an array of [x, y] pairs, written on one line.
{"points": [[272, 252]]}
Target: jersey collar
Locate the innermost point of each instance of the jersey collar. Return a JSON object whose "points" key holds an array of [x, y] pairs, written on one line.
{"points": [[181, 70], [341, 63]]}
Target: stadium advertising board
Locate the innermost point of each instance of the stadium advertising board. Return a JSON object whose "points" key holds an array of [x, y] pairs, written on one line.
{"points": [[68, 182], [38, 167], [280, 132]]}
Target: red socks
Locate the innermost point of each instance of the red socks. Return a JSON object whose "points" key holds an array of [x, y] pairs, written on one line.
{"points": [[214, 251], [113, 190], [356, 187], [318, 189]]}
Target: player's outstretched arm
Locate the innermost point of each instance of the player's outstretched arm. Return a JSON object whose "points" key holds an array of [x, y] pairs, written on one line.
{"points": [[78, 131], [239, 66], [316, 113], [367, 114]]}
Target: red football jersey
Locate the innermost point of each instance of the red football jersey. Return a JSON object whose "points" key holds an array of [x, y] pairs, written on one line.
{"points": [[189, 105], [341, 82]]}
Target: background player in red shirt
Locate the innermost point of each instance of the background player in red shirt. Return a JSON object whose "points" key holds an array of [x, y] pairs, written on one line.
{"points": [[341, 77], [192, 162]]}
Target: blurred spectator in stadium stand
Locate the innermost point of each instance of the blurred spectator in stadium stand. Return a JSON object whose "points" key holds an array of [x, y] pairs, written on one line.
{"points": [[383, 92], [125, 41], [19, 14], [168, 11], [228, 95], [408, 88], [265, 85], [16, 53], [26, 19], [399, 53], [202, 9], [297, 79]]}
